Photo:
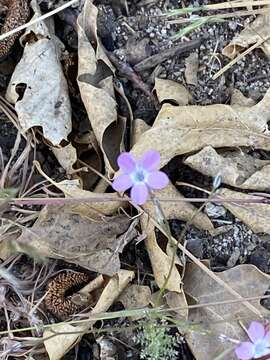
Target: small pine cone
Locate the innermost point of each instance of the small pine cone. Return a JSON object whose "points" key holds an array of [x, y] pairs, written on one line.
{"points": [[56, 301], [17, 15]]}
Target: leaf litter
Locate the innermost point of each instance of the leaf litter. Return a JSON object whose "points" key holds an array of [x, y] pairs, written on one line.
{"points": [[75, 222]]}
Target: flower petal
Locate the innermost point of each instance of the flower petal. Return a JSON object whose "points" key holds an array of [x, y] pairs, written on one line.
{"points": [[157, 180], [150, 160], [139, 193], [256, 331], [122, 183], [245, 351], [267, 336], [126, 162]]}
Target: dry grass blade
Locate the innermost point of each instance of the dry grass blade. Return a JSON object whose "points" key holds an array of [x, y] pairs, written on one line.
{"points": [[239, 57]]}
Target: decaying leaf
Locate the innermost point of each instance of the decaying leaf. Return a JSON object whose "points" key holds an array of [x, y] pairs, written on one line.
{"points": [[95, 206], [135, 296], [61, 234], [73, 334], [221, 319], [177, 302], [182, 210], [259, 29], [160, 260], [256, 216], [235, 168], [168, 90], [66, 156], [95, 210], [39, 102], [217, 116], [192, 67], [95, 79], [139, 127], [237, 98]]}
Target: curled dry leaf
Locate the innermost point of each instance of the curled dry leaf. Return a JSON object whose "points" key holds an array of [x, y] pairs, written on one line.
{"points": [[61, 234], [139, 127], [177, 302], [182, 210], [235, 168], [95, 210], [160, 260], [218, 320], [237, 98], [192, 67], [134, 297], [170, 141], [95, 80], [66, 156], [256, 216], [73, 334], [180, 130], [38, 102], [217, 116], [256, 31], [168, 90]]}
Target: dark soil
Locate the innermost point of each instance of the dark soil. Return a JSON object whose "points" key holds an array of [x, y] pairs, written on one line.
{"points": [[133, 34]]}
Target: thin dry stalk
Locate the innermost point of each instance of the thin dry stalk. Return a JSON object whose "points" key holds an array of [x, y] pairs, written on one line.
{"points": [[221, 16], [239, 57]]}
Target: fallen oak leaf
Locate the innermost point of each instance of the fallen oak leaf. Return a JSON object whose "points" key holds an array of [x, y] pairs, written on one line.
{"points": [[95, 80], [61, 234], [256, 215], [257, 30], [221, 319], [235, 168], [217, 116], [40, 103]]}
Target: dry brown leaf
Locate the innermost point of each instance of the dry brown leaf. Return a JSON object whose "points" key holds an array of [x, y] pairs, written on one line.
{"points": [[178, 303], [182, 210], [192, 67], [139, 127], [66, 156], [160, 260], [217, 116], [134, 297], [61, 234], [256, 216], [95, 210], [95, 79], [214, 321], [235, 168], [73, 334], [237, 98], [39, 102], [168, 90], [256, 31], [170, 141]]}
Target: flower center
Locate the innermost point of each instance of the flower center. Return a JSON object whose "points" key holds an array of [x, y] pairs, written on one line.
{"points": [[139, 175]]}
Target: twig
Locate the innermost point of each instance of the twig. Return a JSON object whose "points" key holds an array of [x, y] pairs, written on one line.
{"points": [[156, 59], [239, 57], [34, 21]]}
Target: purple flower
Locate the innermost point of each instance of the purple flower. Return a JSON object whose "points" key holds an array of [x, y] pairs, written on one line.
{"points": [[258, 346], [141, 176]]}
